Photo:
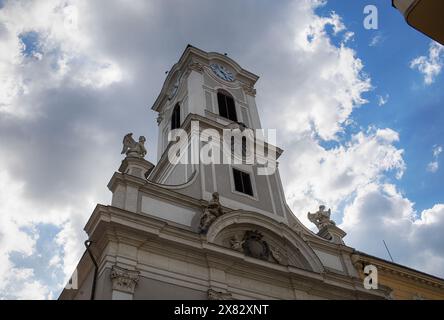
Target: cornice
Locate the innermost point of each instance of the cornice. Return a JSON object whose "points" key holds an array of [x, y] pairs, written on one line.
{"points": [[398, 270]]}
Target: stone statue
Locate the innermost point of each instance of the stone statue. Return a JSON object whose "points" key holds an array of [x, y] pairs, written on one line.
{"points": [[211, 213], [132, 148], [321, 218]]}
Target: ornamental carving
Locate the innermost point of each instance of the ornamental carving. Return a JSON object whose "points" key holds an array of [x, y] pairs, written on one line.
{"points": [[196, 66], [321, 218], [278, 255], [254, 246], [217, 295], [327, 227], [124, 280], [249, 90]]}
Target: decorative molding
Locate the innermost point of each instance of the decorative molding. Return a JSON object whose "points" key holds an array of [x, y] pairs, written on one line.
{"points": [[196, 66], [124, 280], [359, 261], [217, 295], [249, 90]]}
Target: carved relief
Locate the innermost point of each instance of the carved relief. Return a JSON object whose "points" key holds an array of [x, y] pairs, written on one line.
{"points": [[217, 295], [236, 243], [278, 255], [358, 264], [123, 279], [196, 66], [249, 90], [254, 245]]}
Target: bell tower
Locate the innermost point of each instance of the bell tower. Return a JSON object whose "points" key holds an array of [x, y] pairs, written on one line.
{"points": [[207, 93]]}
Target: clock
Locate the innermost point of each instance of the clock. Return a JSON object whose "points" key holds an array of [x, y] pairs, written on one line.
{"points": [[222, 72]]}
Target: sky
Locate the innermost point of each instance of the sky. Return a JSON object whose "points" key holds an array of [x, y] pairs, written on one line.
{"points": [[360, 118]]}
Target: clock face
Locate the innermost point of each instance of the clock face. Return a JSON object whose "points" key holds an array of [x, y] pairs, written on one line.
{"points": [[222, 72]]}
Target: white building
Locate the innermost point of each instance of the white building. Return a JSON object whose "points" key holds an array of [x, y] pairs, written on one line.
{"points": [[149, 242]]}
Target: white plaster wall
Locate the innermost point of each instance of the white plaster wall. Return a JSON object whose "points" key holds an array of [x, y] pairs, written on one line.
{"points": [[168, 211], [329, 260]]}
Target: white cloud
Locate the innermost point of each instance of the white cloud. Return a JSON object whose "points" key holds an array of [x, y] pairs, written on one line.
{"points": [[376, 40], [66, 52], [320, 83], [62, 110], [437, 151], [382, 100], [430, 66], [380, 212], [19, 235], [333, 176], [433, 165]]}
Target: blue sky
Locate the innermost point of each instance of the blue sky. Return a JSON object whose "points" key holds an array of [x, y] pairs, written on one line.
{"points": [[413, 109], [360, 117]]}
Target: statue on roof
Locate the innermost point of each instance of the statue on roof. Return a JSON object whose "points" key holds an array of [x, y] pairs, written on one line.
{"points": [[321, 218], [132, 148]]}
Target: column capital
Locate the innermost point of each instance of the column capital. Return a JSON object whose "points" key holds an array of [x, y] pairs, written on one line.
{"points": [[124, 280]]}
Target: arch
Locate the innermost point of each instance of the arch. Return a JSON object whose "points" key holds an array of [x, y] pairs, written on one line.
{"points": [[277, 230], [175, 117]]}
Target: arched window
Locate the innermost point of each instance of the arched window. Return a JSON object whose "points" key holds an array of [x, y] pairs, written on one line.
{"points": [[226, 106], [175, 118]]}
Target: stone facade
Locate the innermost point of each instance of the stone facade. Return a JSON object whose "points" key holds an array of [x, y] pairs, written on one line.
{"points": [[181, 231]]}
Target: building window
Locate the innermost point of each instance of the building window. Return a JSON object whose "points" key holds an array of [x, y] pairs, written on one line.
{"points": [[242, 182], [175, 118], [226, 106], [243, 148]]}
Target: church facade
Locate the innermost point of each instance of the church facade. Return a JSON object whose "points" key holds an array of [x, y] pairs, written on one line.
{"points": [[213, 228]]}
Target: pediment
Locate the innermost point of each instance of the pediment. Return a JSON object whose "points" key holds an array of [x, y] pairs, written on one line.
{"points": [[261, 237]]}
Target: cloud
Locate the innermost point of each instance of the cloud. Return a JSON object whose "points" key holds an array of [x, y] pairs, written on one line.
{"points": [[381, 212], [376, 40], [430, 66], [433, 165], [363, 160], [437, 151], [382, 100], [75, 76]]}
